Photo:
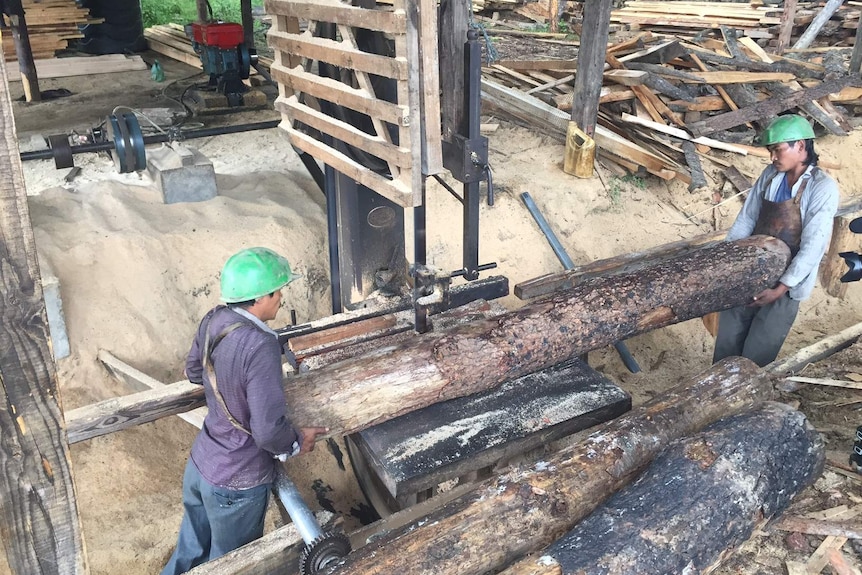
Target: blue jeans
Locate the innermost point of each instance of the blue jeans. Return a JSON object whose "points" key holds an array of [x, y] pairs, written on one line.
{"points": [[216, 520]]}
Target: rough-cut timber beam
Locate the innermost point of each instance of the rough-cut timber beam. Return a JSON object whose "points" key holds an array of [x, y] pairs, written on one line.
{"points": [[528, 507], [591, 62], [357, 393], [696, 503], [41, 532]]}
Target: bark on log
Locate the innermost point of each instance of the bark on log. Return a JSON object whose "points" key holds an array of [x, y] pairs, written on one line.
{"points": [[696, 503], [357, 393], [527, 508]]}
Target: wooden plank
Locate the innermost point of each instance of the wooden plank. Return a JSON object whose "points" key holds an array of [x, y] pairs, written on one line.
{"points": [[847, 529], [771, 106], [626, 77], [340, 94], [134, 409], [344, 14], [394, 190], [351, 330], [431, 138], [527, 65], [174, 53], [739, 77], [374, 145], [82, 66], [683, 135], [410, 93], [785, 27], [140, 381], [814, 28], [827, 382], [819, 559], [338, 53], [38, 508]]}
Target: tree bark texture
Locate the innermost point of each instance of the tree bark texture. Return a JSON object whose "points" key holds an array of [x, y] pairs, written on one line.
{"points": [[697, 502], [354, 394], [530, 506]]}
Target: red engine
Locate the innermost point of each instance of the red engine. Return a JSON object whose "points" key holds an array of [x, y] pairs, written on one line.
{"points": [[222, 35]]}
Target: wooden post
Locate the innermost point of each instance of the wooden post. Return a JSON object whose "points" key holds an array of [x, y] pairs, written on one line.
{"points": [[38, 511], [785, 28], [553, 18], [247, 23], [21, 37], [203, 11], [814, 28], [591, 62], [833, 266], [453, 25], [856, 59]]}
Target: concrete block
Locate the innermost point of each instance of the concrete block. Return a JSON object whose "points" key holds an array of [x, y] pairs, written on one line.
{"points": [[54, 310], [182, 174]]}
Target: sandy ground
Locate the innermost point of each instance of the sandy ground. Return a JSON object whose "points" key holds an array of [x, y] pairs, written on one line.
{"points": [[136, 275]]}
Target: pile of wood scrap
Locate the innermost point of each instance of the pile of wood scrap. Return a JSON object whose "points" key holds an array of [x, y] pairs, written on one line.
{"points": [[667, 103], [753, 19], [51, 24]]}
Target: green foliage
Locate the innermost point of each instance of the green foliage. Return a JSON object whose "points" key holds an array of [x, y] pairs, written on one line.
{"points": [[617, 184], [185, 11]]}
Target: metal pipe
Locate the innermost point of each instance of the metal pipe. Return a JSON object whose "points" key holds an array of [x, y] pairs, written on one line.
{"points": [[299, 512], [625, 355], [48, 153]]}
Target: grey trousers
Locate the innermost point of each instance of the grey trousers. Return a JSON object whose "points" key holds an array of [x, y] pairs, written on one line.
{"points": [[755, 332]]}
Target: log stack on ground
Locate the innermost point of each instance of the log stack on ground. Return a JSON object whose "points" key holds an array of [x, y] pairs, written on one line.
{"points": [[530, 506], [699, 500]]}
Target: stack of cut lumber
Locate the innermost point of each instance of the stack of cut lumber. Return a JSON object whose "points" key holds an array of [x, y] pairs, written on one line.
{"points": [[50, 24], [666, 104]]}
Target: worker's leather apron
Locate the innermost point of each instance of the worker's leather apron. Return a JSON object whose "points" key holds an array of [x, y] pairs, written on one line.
{"points": [[783, 220]]}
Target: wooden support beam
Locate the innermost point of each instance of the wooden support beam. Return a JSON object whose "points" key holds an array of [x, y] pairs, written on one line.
{"points": [[23, 51], [785, 28], [591, 61], [453, 23], [38, 509]]}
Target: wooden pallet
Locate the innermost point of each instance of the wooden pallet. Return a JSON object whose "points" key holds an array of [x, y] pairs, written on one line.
{"points": [[414, 116]]}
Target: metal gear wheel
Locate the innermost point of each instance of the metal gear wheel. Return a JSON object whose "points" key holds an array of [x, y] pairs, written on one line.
{"points": [[323, 551]]}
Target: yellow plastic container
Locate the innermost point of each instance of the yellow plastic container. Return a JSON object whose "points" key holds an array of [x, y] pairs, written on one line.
{"points": [[580, 152]]}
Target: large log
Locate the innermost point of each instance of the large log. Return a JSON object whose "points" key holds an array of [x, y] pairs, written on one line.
{"points": [[529, 507], [698, 501], [351, 395]]}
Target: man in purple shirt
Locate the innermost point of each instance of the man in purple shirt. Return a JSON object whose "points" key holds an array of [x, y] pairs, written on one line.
{"points": [[237, 359]]}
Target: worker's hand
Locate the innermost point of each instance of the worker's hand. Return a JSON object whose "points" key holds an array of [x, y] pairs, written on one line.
{"points": [[309, 436], [768, 296]]}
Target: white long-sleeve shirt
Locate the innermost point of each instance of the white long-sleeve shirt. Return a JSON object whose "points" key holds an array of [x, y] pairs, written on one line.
{"points": [[818, 206]]}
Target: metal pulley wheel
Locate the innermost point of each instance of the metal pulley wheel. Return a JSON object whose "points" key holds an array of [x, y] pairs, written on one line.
{"points": [[129, 153]]}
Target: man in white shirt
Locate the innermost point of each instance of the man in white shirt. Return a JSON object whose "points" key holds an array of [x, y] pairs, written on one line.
{"points": [[796, 202]]}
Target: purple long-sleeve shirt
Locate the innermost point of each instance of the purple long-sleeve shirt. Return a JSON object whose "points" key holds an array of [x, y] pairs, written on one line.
{"points": [[247, 364]]}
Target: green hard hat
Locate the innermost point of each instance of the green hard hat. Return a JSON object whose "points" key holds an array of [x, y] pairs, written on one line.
{"points": [[788, 128], [253, 273]]}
